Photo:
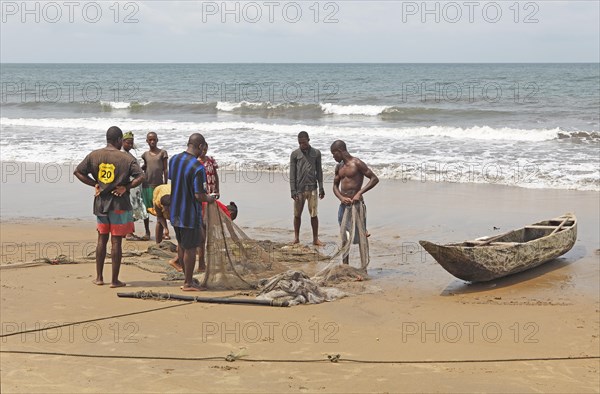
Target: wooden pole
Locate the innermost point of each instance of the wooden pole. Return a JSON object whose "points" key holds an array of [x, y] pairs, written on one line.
{"points": [[560, 226], [208, 300]]}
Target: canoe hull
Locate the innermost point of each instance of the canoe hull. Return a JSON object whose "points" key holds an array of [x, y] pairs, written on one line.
{"points": [[484, 263]]}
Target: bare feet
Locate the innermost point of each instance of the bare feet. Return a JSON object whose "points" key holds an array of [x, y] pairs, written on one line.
{"points": [[98, 281], [296, 241], [191, 288], [166, 236], [118, 284], [317, 242], [145, 238], [175, 264]]}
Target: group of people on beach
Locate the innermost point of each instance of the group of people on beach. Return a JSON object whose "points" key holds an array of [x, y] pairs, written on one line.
{"points": [[126, 191]]}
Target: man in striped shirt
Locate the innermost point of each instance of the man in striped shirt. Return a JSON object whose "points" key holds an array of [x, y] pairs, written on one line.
{"points": [[188, 192]]}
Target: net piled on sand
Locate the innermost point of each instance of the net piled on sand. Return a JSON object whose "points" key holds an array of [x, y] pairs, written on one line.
{"points": [[296, 287]]}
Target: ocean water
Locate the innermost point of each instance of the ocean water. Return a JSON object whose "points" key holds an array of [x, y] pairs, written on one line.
{"points": [[526, 125]]}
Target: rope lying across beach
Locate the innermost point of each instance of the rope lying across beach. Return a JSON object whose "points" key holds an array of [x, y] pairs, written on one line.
{"points": [[94, 320], [334, 358]]}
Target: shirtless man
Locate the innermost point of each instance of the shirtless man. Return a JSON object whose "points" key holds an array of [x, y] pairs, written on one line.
{"points": [[348, 182]]}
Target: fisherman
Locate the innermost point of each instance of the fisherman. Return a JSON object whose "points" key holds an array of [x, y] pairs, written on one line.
{"points": [[188, 184], [156, 169], [306, 174], [348, 184], [161, 205], [135, 194], [111, 172]]}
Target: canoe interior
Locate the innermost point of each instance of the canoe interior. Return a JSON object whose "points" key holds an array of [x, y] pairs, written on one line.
{"points": [[528, 233]]}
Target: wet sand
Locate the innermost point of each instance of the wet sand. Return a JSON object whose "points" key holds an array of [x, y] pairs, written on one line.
{"points": [[410, 311]]}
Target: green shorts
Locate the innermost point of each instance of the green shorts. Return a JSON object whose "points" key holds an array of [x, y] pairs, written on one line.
{"points": [[147, 195]]}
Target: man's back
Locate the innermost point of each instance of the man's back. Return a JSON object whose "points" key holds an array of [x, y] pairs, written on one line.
{"points": [[188, 177], [110, 168]]}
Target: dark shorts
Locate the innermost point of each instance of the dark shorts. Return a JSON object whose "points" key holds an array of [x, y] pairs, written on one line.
{"points": [[187, 238]]}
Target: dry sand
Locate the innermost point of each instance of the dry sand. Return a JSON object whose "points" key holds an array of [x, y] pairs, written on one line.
{"points": [[410, 310]]}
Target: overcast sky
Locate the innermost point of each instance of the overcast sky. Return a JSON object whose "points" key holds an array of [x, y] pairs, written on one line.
{"points": [[300, 31]]}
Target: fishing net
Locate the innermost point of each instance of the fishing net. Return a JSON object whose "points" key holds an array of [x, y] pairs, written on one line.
{"points": [[284, 273], [234, 260], [353, 230]]}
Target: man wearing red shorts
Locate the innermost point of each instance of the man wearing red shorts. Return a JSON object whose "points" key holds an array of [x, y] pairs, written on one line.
{"points": [[111, 171]]}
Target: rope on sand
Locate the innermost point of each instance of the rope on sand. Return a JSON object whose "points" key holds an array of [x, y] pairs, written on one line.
{"points": [[58, 260], [333, 358], [94, 320]]}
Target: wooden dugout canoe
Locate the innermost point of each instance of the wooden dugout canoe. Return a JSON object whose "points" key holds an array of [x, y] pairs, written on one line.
{"points": [[490, 258]]}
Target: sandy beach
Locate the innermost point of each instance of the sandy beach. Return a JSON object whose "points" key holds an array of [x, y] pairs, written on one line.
{"points": [[411, 328]]}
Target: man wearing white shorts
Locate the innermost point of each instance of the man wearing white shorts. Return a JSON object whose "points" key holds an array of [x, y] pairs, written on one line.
{"points": [[306, 184]]}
